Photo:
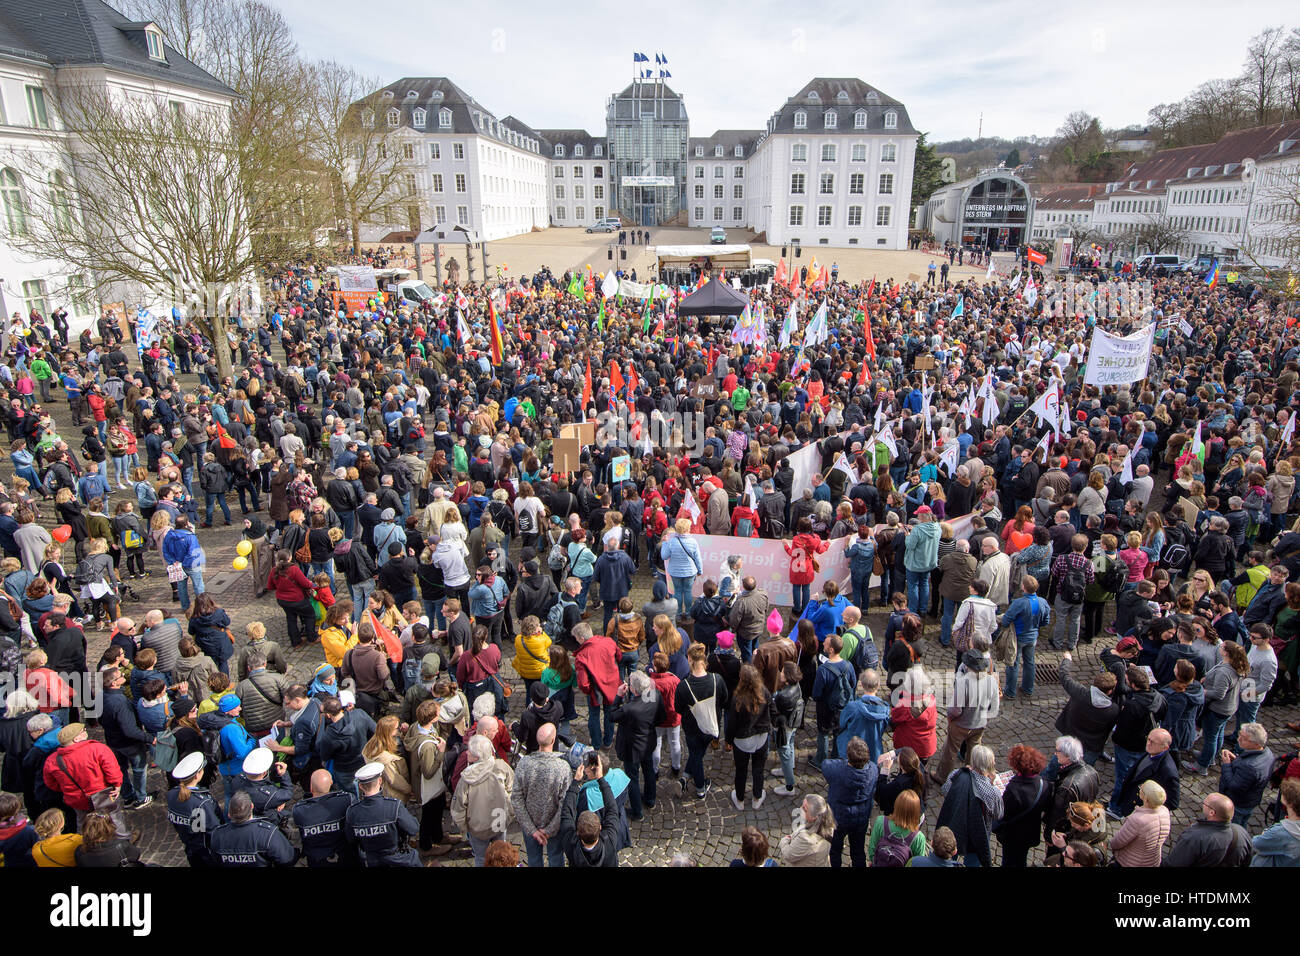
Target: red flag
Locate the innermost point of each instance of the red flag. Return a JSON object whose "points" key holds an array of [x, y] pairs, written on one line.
{"points": [[616, 382], [780, 275], [659, 328], [871, 288], [794, 280], [722, 276], [1033, 255], [494, 334], [870, 343], [865, 377], [586, 387], [632, 381], [391, 642]]}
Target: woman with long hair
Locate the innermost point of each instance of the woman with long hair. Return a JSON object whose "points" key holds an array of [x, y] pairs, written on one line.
{"points": [[749, 725], [898, 837], [908, 775], [810, 843], [382, 748], [1025, 799], [1153, 538], [1222, 687], [1018, 533], [561, 680], [477, 670]]}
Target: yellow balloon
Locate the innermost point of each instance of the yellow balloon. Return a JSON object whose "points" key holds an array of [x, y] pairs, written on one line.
{"points": [[240, 563], [244, 549]]}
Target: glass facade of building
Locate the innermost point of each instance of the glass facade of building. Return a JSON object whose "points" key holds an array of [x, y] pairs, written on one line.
{"points": [[648, 132]]}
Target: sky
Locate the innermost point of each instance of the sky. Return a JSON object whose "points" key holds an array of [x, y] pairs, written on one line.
{"points": [[1022, 67]]}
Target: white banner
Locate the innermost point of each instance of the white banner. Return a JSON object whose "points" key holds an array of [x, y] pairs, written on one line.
{"points": [[805, 462], [357, 279], [1119, 360], [769, 564]]}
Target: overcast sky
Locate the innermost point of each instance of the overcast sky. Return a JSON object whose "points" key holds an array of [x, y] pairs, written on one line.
{"points": [[1023, 66]]}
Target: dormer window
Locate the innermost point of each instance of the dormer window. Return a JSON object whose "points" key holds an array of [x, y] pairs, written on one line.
{"points": [[740, 151], [873, 96], [388, 94], [368, 118], [444, 118], [830, 120], [891, 120], [598, 150], [436, 95], [717, 150], [800, 120], [559, 151], [418, 118], [412, 94], [842, 96], [813, 97], [393, 117], [699, 150], [860, 119], [578, 151], [153, 39]]}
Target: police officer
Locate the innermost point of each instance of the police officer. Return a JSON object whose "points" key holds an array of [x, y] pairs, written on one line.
{"points": [[380, 825], [192, 811], [248, 840], [320, 820], [269, 799]]}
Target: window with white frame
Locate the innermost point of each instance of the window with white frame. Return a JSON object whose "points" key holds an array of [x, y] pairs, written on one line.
{"points": [[599, 211], [737, 213], [559, 150], [559, 192], [435, 151], [418, 118], [368, 118], [826, 185], [154, 42], [79, 295], [577, 172], [889, 153], [737, 192], [860, 119], [444, 118], [408, 151], [598, 150], [598, 192], [855, 216], [828, 152], [35, 296], [799, 153], [797, 184], [579, 193], [717, 172], [409, 183], [739, 152], [823, 215], [440, 213], [393, 117], [699, 151], [699, 172], [699, 213], [460, 182], [796, 215], [886, 184], [457, 150], [717, 150], [699, 191], [858, 153], [559, 213], [800, 119], [578, 153], [717, 192], [717, 214], [830, 119], [559, 172], [882, 215], [857, 182], [579, 213], [437, 182], [738, 172], [381, 150], [462, 215]]}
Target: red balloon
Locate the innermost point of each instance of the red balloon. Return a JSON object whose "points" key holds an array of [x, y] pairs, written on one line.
{"points": [[62, 533]]}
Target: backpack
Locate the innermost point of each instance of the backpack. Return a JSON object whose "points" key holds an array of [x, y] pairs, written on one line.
{"points": [[555, 617], [893, 850], [525, 521], [449, 762], [411, 664], [166, 753], [1074, 586], [841, 692], [557, 559], [131, 539], [1113, 578], [745, 527], [1175, 556], [212, 748]]}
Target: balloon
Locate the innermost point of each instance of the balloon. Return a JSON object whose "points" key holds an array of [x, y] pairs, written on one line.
{"points": [[62, 533], [244, 548], [240, 563]]}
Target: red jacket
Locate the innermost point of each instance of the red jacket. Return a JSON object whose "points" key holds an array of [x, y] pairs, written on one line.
{"points": [[916, 730], [291, 587], [50, 690], [91, 767], [597, 667], [742, 510], [666, 683], [801, 565]]}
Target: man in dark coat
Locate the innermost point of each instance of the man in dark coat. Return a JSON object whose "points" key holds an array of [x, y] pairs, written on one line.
{"points": [[1156, 764], [638, 710]]}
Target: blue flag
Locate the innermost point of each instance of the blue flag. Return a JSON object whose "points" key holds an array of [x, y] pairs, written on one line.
{"points": [[960, 310]]}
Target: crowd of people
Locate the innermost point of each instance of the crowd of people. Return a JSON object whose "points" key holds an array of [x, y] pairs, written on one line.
{"points": [[401, 499]]}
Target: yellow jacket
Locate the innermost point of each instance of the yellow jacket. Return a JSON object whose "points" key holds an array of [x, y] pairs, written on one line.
{"points": [[532, 655], [335, 642], [58, 850]]}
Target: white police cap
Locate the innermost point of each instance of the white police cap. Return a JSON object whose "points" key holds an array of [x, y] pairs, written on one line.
{"points": [[189, 765], [370, 771], [259, 760]]}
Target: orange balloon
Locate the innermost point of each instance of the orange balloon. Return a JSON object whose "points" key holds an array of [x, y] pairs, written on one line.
{"points": [[62, 533]]}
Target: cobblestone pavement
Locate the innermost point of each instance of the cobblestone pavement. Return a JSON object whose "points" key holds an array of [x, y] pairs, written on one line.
{"points": [[709, 829]]}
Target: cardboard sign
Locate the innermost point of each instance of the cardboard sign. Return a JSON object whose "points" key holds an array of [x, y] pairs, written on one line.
{"points": [[923, 363], [583, 432], [706, 388], [566, 456]]}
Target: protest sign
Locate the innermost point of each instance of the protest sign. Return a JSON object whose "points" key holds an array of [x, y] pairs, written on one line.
{"points": [[1119, 360]]}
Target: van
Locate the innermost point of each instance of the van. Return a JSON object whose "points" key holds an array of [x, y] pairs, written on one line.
{"points": [[414, 291], [1161, 265]]}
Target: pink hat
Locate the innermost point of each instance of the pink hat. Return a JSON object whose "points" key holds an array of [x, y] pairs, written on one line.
{"points": [[726, 639], [923, 510]]}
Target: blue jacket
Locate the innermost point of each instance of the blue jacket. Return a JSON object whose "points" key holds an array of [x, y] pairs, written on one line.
{"points": [[921, 548], [850, 791], [1180, 717], [1029, 612], [182, 545], [122, 731], [862, 557], [614, 571], [1244, 779], [866, 717], [1279, 845], [486, 601], [820, 613], [236, 743], [681, 557]]}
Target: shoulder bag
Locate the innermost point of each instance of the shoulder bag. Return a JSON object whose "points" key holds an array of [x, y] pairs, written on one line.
{"points": [[101, 801]]}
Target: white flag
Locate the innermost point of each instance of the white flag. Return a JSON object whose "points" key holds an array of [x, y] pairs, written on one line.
{"points": [[463, 328], [886, 438], [609, 287], [1126, 472], [842, 464], [990, 414], [817, 331], [751, 493], [1046, 445], [1048, 408], [692, 506], [989, 275], [1197, 444], [1065, 410], [1031, 292], [880, 414], [1287, 432], [789, 325], [949, 456]]}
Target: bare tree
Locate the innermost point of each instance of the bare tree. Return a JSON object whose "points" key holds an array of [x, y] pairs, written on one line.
{"points": [[148, 195], [1158, 234], [1289, 76], [1259, 78], [356, 151], [1273, 246]]}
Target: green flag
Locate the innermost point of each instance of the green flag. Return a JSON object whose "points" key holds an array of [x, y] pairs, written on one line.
{"points": [[575, 285], [600, 316]]}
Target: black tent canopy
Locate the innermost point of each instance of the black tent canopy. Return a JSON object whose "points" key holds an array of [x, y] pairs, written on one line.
{"points": [[714, 298]]}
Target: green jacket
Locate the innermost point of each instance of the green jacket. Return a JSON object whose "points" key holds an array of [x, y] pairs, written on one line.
{"points": [[41, 370]]}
